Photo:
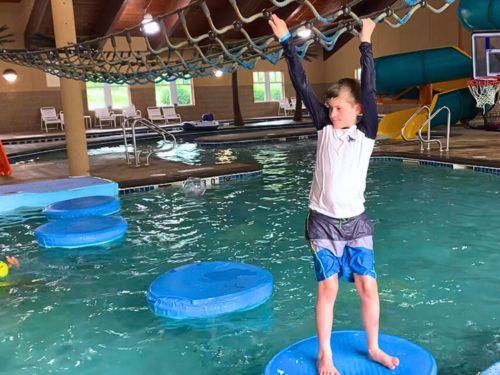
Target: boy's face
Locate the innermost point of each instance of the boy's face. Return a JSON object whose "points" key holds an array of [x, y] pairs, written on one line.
{"points": [[343, 110]]}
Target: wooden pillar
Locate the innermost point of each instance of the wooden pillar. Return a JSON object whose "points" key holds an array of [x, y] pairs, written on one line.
{"points": [[71, 93], [425, 94]]}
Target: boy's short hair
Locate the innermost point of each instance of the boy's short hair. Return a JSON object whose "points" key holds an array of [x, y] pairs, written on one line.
{"points": [[352, 85]]}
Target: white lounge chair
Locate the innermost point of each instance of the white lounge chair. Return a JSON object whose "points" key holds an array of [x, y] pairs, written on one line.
{"points": [[169, 114], [104, 116], [131, 113], [154, 114], [293, 103], [48, 116], [285, 106]]}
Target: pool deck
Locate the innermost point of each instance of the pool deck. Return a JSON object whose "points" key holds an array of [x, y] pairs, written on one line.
{"points": [[468, 147], [159, 172]]}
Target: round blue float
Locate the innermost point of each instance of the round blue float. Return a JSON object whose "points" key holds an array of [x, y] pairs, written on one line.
{"points": [[350, 356], [99, 205], [80, 232], [493, 370], [208, 289]]}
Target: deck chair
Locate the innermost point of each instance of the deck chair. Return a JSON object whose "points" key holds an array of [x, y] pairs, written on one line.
{"points": [[169, 114], [48, 116], [104, 116], [131, 113], [285, 106], [293, 103], [154, 114]]}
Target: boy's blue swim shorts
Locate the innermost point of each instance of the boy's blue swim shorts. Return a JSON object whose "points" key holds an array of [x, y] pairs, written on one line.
{"points": [[341, 246]]}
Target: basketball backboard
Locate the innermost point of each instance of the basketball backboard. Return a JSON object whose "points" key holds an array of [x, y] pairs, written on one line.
{"points": [[486, 54]]}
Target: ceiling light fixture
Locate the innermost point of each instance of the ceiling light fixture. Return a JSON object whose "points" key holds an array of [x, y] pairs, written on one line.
{"points": [[149, 26], [304, 32], [9, 75]]}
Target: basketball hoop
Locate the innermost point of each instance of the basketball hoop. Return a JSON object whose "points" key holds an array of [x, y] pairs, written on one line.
{"points": [[484, 90]]}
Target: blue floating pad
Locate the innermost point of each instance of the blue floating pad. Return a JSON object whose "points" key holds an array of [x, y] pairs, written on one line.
{"points": [[493, 370], [42, 193], [208, 289], [97, 205], [80, 232], [350, 356]]}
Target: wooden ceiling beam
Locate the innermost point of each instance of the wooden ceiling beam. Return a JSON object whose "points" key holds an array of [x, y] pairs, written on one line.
{"points": [[171, 24], [112, 10], [40, 19]]}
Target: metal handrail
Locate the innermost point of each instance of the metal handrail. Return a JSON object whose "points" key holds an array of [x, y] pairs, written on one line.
{"points": [[411, 118], [137, 152], [429, 140]]}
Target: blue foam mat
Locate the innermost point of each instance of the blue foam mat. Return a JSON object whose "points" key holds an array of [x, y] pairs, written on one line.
{"points": [[350, 356], [96, 205], [80, 232], [42, 193], [209, 289], [492, 370]]}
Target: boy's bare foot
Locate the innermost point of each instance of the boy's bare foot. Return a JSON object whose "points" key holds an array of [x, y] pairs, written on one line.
{"points": [[383, 358], [325, 365]]}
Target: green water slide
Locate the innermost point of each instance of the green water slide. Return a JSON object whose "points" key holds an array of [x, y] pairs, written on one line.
{"points": [[396, 73], [479, 15]]}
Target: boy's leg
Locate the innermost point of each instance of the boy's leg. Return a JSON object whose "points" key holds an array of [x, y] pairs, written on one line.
{"points": [[370, 314], [327, 292], [327, 268]]}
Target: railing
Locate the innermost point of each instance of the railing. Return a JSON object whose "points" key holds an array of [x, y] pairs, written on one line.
{"points": [[150, 149], [409, 121], [429, 140], [427, 122]]}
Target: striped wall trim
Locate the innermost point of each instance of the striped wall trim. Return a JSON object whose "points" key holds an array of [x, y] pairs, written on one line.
{"points": [[209, 181], [439, 164], [262, 140]]}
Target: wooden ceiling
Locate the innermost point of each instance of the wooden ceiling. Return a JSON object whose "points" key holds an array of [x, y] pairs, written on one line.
{"points": [[96, 18]]}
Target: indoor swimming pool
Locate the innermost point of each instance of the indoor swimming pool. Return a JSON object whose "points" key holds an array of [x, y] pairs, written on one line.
{"points": [[85, 311]]}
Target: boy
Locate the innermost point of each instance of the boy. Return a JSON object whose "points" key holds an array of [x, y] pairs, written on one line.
{"points": [[338, 230]]}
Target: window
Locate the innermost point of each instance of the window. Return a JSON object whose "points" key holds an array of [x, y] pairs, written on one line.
{"points": [[178, 92], [267, 86], [357, 74], [100, 95]]}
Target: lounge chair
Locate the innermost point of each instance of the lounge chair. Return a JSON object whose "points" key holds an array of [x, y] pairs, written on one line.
{"points": [[170, 115], [154, 115], [131, 113], [48, 116], [286, 107], [104, 116]]}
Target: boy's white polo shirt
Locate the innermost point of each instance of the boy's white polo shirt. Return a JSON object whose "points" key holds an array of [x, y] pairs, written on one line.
{"points": [[342, 159]]}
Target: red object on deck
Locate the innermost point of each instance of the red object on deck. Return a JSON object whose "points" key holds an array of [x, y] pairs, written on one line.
{"points": [[5, 168]]}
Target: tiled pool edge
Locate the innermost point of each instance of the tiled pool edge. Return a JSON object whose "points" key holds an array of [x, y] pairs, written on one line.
{"points": [[217, 180], [438, 164], [209, 181]]}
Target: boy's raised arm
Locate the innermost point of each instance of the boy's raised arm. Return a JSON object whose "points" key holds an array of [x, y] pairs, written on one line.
{"points": [[298, 76], [369, 124]]}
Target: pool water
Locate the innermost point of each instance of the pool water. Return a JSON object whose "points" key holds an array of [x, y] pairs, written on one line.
{"points": [[85, 311]]}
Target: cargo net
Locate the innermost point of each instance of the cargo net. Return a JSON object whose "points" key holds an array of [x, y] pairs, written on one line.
{"points": [[202, 55]]}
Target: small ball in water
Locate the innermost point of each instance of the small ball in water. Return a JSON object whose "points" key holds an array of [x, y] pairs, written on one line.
{"points": [[194, 187]]}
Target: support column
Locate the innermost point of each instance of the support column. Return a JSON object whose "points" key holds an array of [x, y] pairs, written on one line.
{"points": [[425, 94], [71, 92]]}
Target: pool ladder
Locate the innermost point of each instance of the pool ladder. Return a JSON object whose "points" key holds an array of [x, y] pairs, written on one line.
{"points": [[427, 123], [149, 150]]}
